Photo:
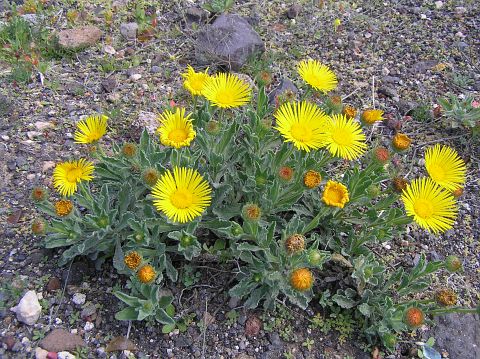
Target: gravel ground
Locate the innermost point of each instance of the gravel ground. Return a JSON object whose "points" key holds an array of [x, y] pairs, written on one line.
{"points": [[413, 51]]}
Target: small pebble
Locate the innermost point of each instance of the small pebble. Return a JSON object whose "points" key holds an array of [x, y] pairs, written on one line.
{"points": [[79, 298]]}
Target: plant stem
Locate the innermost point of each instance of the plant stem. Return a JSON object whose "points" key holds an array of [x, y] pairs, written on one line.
{"points": [[454, 310]]}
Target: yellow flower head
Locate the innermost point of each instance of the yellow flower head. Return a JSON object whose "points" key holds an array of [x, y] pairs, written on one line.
{"points": [[301, 123], [446, 297], [183, 195], [195, 82], [91, 129], [63, 207], [445, 167], [401, 141], [431, 207], [146, 274], [349, 111], [317, 75], [370, 116], [132, 260], [312, 179], [175, 129], [335, 194], [227, 90], [67, 175], [301, 279], [344, 137]]}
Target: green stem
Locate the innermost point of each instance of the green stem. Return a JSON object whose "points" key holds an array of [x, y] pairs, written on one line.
{"points": [[306, 94], [454, 310]]}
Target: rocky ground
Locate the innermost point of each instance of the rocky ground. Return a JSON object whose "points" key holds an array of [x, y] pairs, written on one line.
{"points": [[411, 51]]}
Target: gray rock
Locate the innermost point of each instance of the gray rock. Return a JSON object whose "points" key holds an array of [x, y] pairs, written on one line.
{"points": [[275, 340], [32, 19], [293, 11], [155, 69], [129, 30], [229, 41], [284, 86], [79, 37], [233, 302], [422, 67], [458, 334], [109, 84], [28, 309], [196, 15]]}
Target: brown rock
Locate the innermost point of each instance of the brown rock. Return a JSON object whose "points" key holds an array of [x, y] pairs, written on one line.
{"points": [[293, 11], [59, 340], [9, 341], [79, 37], [253, 326], [119, 344], [53, 284]]}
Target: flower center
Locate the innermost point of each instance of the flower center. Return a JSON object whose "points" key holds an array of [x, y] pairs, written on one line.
{"points": [[182, 198], [335, 195], [178, 135], [342, 137], [436, 171], [423, 208], [197, 83], [300, 132], [74, 174], [225, 97]]}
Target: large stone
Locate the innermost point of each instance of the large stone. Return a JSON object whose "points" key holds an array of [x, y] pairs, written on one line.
{"points": [[458, 334], [286, 86], [229, 41], [60, 340], [28, 309], [129, 30], [79, 37]]}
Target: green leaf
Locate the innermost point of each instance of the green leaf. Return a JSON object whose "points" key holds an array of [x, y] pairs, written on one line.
{"points": [[168, 328], [162, 317], [118, 262], [127, 314], [127, 299], [365, 309]]}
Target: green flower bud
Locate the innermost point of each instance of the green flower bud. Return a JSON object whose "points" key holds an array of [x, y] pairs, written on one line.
{"points": [[257, 277], [186, 240], [390, 340], [453, 263], [236, 229], [315, 257]]}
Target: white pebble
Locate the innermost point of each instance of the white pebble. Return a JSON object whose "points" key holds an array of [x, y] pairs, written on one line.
{"points": [[438, 4], [88, 326], [135, 77], [79, 298]]}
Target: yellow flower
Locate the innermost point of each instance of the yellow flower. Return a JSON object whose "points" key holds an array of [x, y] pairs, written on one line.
{"points": [[301, 279], [370, 116], [312, 179], [227, 90], [63, 207], [67, 175], [91, 129], [183, 195], [349, 111], [446, 297], [301, 123], [132, 260], [175, 129], [146, 274], [335, 194], [445, 167], [195, 81], [317, 75], [431, 207], [401, 141], [343, 137]]}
